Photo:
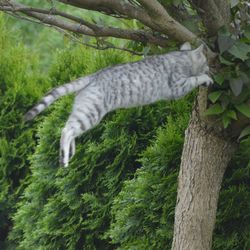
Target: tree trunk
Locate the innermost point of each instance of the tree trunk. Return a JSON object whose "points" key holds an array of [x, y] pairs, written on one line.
{"points": [[204, 160]]}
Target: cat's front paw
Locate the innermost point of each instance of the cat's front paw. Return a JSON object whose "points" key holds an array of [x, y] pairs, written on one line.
{"points": [[207, 80]]}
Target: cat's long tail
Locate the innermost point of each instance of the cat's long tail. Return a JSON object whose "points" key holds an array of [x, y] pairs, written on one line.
{"points": [[56, 93]]}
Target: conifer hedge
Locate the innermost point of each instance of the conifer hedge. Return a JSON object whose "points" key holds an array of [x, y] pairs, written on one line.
{"points": [[20, 86], [119, 191]]}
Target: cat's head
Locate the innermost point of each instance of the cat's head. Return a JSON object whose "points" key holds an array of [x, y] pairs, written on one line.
{"points": [[199, 60]]}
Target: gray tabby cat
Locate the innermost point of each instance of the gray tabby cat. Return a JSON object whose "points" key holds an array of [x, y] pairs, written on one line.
{"points": [[168, 76]]}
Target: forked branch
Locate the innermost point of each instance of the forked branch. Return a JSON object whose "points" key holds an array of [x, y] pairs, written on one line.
{"points": [[150, 13], [81, 26]]}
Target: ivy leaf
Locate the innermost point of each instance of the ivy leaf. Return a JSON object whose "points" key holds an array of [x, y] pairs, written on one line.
{"points": [[240, 50], [224, 61], [214, 96], [226, 121], [244, 109], [232, 114], [244, 132], [236, 85], [227, 117], [215, 109], [245, 78], [234, 3], [219, 78], [225, 42], [225, 101]]}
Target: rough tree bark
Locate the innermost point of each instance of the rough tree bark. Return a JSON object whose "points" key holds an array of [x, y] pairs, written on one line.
{"points": [[204, 160], [206, 153]]}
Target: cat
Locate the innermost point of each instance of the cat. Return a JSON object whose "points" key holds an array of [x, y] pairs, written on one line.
{"points": [[168, 76]]}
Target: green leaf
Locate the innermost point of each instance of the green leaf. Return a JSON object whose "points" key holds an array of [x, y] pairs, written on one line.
{"points": [[176, 2], [248, 165], [226, 121], [244, 77], [214, 96], [224, 61], [225, 100], [236, 85], [215, 109], [234, 3], [240, 50], [232, 114], [225, 42], [219, 78], [245, 132], [244, 109], [248, 63]]}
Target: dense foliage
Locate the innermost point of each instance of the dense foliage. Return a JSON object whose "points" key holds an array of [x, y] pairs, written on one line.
{"points": [[231, 94], [20, 85], [119, 191]]}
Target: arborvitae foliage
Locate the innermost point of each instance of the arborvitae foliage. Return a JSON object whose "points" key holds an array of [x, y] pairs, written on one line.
{"points": [[143, 212], [119, 191], [19, 88], [144, 209], [232, 230]]}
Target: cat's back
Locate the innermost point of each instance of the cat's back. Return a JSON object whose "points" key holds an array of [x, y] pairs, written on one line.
{"points": [[152, 68], [142, 67]]}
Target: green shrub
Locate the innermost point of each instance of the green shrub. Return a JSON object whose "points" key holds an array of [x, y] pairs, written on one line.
{"points": [[144, 210], [232, 223], [20, 86]]}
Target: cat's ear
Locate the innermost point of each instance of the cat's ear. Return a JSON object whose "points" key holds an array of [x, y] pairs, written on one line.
{"points": [[186, 46]]}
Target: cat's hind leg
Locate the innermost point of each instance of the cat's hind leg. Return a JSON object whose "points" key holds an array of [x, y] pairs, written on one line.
{"points": [[72, 149], [65, 145], [75, 126], [67, 149], [87, 112]]}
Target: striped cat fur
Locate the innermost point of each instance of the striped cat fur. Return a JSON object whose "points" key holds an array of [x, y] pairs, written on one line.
{"points": [[168, 76]]}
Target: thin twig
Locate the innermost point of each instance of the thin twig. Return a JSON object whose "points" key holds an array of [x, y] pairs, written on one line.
{"points": [[106, 47], [81, 26], [74, 39]]}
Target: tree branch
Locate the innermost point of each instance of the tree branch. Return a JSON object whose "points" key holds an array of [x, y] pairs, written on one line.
{"points": [[104, 46], [81, 26], [155, 16], [158, 19], [213, 13], [153, 7], [109, 7], [165, 23], [224, 8]]}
